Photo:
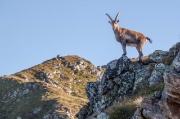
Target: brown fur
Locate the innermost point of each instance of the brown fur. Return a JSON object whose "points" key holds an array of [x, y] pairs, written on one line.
{"points": [[128, 37]]}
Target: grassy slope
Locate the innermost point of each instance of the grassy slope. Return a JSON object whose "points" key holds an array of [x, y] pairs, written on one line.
{"points": [[50, 66], [49, 95]]}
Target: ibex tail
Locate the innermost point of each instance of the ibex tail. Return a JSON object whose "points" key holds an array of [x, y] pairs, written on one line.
{"points": [[149, 39]]}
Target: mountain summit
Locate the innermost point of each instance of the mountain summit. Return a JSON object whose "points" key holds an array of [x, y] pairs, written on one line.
{"points": [[54, 89]]}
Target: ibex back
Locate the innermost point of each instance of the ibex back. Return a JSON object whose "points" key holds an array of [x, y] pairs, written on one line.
{"points": [[128, 37]]}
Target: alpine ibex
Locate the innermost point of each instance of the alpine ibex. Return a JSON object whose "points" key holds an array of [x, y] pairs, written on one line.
{"points": [[128, 37]]}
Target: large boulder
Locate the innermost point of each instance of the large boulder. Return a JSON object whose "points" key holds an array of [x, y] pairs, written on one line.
{"points": [[164, 104], [176, 63], [141, 77], [117, 67], [151, 108], [125, 82], [172, 86], [159, 56], [157, 74], [117, 80]]}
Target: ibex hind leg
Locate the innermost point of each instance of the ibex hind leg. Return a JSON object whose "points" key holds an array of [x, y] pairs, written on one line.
{"points": [[139, 49]]}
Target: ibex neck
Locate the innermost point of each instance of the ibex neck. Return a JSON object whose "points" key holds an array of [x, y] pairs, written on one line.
{"points": [[117, 29]]}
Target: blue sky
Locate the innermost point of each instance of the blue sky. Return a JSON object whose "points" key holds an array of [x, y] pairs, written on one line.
{"points": [[32, 31]]}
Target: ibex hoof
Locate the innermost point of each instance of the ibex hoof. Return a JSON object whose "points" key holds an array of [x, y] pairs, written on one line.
{"points": [[140, 61], [123, 55]]}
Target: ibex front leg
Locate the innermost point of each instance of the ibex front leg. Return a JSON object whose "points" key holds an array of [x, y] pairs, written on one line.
{"points": [[124, 48]]}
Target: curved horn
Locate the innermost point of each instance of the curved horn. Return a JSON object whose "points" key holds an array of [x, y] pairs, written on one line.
{"points": [[117, 16], [109, 17]]}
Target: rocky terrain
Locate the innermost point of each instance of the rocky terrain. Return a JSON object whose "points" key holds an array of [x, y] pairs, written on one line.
{"points": [[71, 87], [54, 89], [130, 90]]}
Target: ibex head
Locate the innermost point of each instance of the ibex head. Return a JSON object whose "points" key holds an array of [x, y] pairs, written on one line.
{"points": [[114, 23]]}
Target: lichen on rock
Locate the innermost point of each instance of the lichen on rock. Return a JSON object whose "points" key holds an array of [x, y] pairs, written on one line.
{"points": [[124, 79], [157, 74]]}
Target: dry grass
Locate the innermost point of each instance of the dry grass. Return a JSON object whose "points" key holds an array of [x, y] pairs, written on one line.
{"points": [[145, 60], [137, 101], [50, 94], [49, 66], [124, 109], [148, 91], [45, 98], [71, 102]]}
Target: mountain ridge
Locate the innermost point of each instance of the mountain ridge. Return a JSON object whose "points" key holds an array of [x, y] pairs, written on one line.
{"points": [[47, 90]]}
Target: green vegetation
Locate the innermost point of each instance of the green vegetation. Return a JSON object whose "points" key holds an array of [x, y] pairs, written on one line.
{"points": [[167, 60], [126, 108], [148, 91], [123, 112]]}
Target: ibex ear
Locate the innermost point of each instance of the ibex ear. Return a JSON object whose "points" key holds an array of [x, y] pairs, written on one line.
{"points": [[117, 20], [109, 21]]}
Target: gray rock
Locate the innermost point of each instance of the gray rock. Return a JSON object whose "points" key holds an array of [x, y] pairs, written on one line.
{"points": [[141, 77], [26, 91], [176, 63], [36, 110], [92, 71], [24, 77], [114, 91], [91, 89], [44, 75], [99, 68], [102, 116], [175, 49], [112, 64], [172, 86], [158, 55], [122, 65], [61, 76], [157, 74], [163, 104], [18, 117], [35, 86], [137, 114], [116, 67], [80, 62], [84, 111], [125, 82], [66, 63], [58, 57]]}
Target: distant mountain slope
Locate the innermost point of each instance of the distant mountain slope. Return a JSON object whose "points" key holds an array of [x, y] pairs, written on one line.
{"points": [[50, 90]]}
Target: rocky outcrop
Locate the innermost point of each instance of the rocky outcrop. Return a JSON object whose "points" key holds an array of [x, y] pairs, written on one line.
{"points": [[124, 78], [164, 104], [120, 79]]}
